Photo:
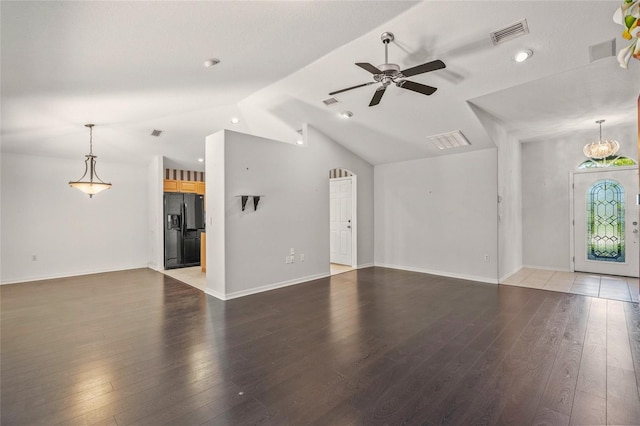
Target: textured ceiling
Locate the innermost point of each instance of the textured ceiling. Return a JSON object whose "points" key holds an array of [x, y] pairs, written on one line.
{"points": [[132, 67]]}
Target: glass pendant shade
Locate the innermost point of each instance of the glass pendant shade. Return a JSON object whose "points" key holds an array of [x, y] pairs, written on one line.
{"points": [[602, 148], [91, 184]]}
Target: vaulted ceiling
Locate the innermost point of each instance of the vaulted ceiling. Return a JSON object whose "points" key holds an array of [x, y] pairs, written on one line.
{"points": [[131, 67]]}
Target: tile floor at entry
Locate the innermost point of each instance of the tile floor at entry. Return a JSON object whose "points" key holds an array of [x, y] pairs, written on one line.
{"points": [[602, 286]]}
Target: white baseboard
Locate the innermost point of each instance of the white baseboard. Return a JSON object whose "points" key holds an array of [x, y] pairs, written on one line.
{"points": [[242, 293], [441, 273], [548, 268], [70, 274], [215, 294], [365, 265], [508, 274]]}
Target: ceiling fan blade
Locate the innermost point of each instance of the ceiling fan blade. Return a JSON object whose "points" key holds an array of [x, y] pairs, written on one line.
{"points": [[416, 87], [368, 67], [420, 69], [377, 96], [352, 87]]}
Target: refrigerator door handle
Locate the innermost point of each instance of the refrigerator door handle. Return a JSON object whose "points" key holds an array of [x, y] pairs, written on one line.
{"points": [[184, 219]]}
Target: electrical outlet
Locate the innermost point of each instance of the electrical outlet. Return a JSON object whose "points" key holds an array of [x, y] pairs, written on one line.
{"points": [[293, 259], [292, 251], [302, 258], [486, 257]]}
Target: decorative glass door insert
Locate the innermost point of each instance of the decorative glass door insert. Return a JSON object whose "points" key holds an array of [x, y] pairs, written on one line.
{"points": [[605, 221]]}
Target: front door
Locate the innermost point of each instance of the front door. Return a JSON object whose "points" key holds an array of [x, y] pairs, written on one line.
{"points": [[606, 221], [340, 205]]}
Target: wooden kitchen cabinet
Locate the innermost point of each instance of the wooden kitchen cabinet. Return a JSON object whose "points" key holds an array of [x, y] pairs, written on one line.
{"points": [[186, 186], [171, 185]]}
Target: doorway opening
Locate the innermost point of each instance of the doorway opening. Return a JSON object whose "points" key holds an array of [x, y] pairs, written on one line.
{"points": [[343, 229]]}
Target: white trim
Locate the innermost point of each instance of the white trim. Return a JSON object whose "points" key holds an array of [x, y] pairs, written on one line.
{"points": [[548, 268], [264, 288], [214, 293], [572, 223], [508, 274], [73, 274], [365, 265], [485, 280]]}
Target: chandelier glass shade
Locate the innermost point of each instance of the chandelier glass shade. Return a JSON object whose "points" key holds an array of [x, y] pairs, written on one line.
{"points": [[602, 148], [91, 184]]}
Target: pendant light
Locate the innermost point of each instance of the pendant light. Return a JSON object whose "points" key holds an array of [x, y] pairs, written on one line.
{"points": [[92, 184], [602, 148]]}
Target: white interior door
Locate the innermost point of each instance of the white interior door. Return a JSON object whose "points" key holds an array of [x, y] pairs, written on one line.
{"points": [[340, 226], [606, 222]]}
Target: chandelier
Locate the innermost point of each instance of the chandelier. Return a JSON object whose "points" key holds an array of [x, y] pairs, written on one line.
{"points": [[602, 148], [93, 184]]}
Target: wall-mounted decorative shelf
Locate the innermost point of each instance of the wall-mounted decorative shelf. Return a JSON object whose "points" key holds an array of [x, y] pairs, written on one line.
{"points": [[245, 198]]}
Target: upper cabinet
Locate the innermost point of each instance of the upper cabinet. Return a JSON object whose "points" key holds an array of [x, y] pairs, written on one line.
{"points": [[188, 186], [184, 181], [171, 186]]}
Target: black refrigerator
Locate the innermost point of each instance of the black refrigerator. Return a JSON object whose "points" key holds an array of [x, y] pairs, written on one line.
{"points": [[183, 224]]}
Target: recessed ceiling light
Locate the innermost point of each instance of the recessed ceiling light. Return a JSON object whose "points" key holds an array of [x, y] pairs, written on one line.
{"points": [[201, 160], [235, 120], [299, 141], [346, 114], [211, 62], [523, 55]]}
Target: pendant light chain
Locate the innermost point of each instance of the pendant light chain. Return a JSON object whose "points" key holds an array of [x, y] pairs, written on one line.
{"points": [[91, 138], [90, 126]]}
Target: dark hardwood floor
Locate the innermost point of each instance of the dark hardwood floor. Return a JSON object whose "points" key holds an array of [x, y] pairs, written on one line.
{"points": [[373, 346]]}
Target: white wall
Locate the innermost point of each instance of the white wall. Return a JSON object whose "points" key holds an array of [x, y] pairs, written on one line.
{"points": [[438, 215], [293, 214], [69, 233], [509, 194], [546, 193], [155, 219], [215, 200]]}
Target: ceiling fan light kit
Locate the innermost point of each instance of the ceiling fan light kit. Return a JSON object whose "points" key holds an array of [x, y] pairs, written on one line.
{"points": [[387, 73]]}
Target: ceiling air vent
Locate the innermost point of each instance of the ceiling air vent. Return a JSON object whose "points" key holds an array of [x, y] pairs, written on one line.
{"points": [[510, 32], [449, 140], [330, 101], [156, 133], [602, 50]]}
